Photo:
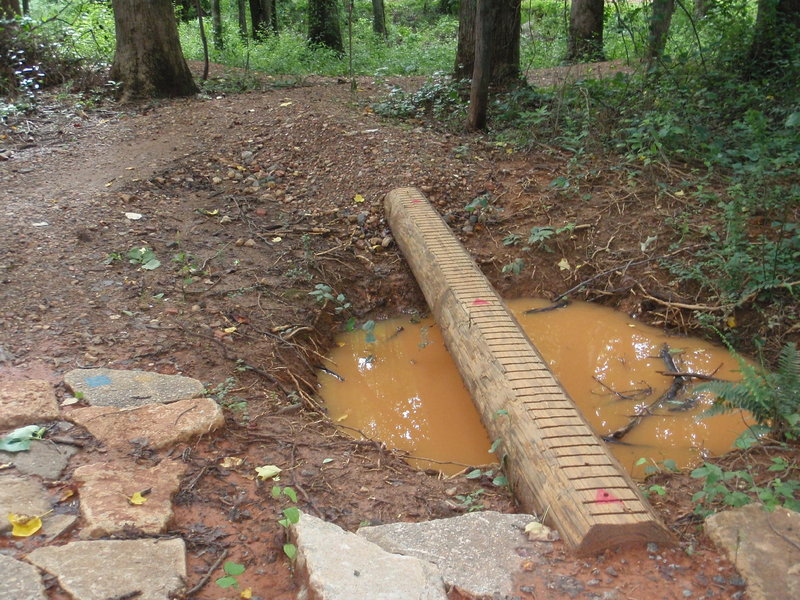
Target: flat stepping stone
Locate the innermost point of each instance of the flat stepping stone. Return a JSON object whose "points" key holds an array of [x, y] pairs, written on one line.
{"points": [[20, 581], [25, 402], [106, 490], [478, 553], [155, 426], [22, 496], [764, 546], [333, 564], [45, 458], [125, 389], [98, 570]]}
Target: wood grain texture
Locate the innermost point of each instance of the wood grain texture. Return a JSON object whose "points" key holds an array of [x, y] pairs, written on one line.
{"points": [[554, 461]]}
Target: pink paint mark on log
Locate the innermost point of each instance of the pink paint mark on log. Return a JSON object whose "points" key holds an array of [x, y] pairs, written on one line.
{"points": [[606, 497], [480, 302]]}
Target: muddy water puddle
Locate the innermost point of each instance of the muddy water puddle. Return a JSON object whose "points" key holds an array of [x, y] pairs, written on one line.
{"points": [[404, 389]]}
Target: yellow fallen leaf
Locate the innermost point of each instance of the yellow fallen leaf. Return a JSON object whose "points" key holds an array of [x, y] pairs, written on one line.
{"points": [[276, 239], [731, 321], [246, 593], [563, 264], [358, 198], [137, 499], [267, 471], [230, 462], [24, 525], [229, 329], [343, 417], [285, 104]]}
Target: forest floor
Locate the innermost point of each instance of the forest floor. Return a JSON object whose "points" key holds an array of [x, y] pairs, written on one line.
{"points": [[248, 201]]}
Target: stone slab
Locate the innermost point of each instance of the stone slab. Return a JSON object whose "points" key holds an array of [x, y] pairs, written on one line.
{"points": [[157, 426], [144, 569], [44, 458], [25, 402], [477, 553], [333, 564], [22, 496], [125, 389], [765, 547], [20, 581], [106, 488]]}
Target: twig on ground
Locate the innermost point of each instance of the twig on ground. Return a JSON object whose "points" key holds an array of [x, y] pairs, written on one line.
{"points": [[204, 579]]}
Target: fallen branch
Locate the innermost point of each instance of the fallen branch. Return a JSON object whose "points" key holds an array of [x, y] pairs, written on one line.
{"points": [[204, 579], [677, 385]]}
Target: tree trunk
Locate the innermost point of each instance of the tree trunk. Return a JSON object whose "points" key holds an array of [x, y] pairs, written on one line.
{"points": [[216, 24], [242, 12], [148, 60], [776, 34], [585, 31], [505, 26], [26, 7], [324, 28], [185, 9], [445, 7], [379, 17], [659, 27], [9, 9], [263, 17], [701, 8], [479, 92]]}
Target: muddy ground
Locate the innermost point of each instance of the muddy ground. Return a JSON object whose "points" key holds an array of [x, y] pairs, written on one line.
{"points": [[249, 201]]}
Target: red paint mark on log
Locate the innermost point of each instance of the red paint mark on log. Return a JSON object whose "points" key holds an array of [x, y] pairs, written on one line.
{"points": [[480, 302], [606, 497]]}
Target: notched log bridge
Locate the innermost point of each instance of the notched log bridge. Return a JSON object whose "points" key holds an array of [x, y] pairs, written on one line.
{"points": [[554, 462]]}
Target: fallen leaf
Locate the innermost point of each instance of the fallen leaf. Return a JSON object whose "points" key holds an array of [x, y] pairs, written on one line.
{"points": [[358, 198], [276, 239], [563, 264], [230, 462], [267, 471], [731, 321], [137, 499], [229, 329], [285, 104], [246, 593], [132, 216], [23, 525], [20, 439]]}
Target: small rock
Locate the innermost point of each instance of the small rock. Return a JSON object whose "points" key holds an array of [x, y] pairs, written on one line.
{"points": [[20, 581], [108, 486], [250, 243], [44, 458], [122, 389], [612, 572], [686, 593], [22, 496], [24, 402], [225, 220], [387, 241], [144, 569], [157, 426], [652, 547]]}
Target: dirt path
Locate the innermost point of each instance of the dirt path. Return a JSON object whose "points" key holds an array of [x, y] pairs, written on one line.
{"points": [[248, 202]]}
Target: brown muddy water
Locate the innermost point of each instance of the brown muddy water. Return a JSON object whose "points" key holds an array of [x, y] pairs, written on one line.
{"points": [[405, 390]]}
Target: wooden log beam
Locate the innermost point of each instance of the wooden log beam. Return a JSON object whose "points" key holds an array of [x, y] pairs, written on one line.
{"points": [[555, 463]]}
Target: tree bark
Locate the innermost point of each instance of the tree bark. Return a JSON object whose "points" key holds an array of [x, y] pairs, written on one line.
{"points": [[701, 7], [479, 92], [263, 17], [9, 9], [324, 27], [505, 25], [585, 31], [379, 17], [216, 25], [776, 34], [242, 13], [659, 27], [148, 60]]}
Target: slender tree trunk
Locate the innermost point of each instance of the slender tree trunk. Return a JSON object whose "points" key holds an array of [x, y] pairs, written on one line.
{"points": [[585, 31], [148, 60], [324, 27], [379, 17], [505, 26], [26, 7], [701, 7], [445, 7], [9, 9], [242, 11], [659, 27], [216, 25], [776, 34], [185, 9], [481, 74]]}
